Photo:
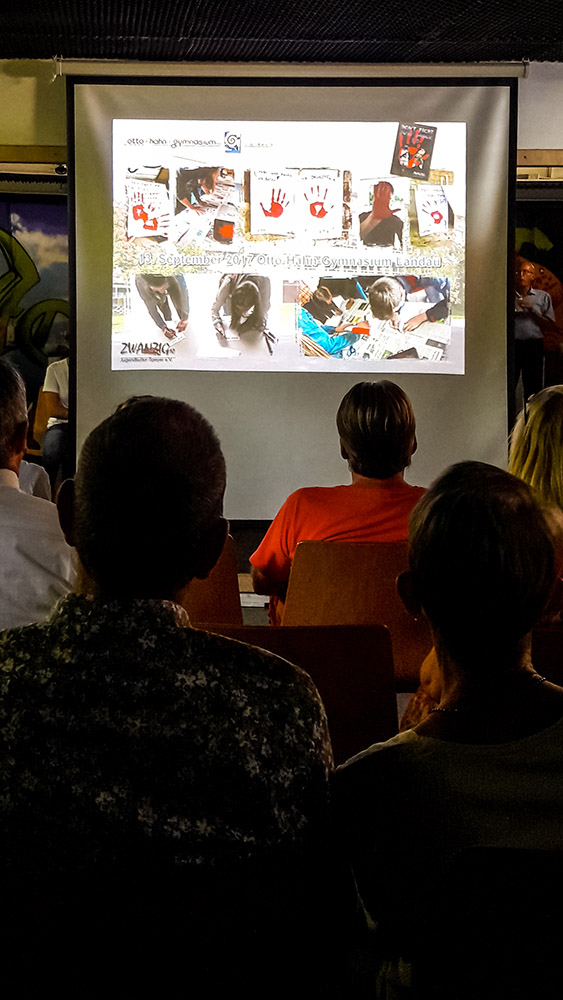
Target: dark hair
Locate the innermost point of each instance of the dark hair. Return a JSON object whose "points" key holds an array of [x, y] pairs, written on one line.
{"points": [[376, 424], [244, 296], [13, 409], [155, 280], [482, 558], [150, 481]]}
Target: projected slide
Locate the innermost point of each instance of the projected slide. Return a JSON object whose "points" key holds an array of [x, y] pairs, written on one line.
{"points": [[289, 246]]}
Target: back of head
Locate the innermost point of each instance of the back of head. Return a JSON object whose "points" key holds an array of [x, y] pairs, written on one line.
{"points": [[148, 487], [386, 295], [536, 445], [244, 297], [482, 559], [13, 409], [376, 424]]}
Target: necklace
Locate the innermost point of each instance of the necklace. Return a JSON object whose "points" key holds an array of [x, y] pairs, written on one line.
{"points": [[535, 676]]}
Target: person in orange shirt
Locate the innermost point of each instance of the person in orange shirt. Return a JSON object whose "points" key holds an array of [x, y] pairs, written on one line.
{"points": [[377, 431]]}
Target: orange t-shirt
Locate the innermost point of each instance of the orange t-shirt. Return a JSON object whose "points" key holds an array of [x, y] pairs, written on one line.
{"points": [[369, 511]]}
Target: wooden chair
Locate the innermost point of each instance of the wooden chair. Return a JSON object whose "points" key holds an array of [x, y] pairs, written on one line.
{"points": [[353, 583], [217, 598], [352, 667]]}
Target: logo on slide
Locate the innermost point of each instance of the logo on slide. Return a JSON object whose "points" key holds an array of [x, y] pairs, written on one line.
{"points": [[232, 143]]}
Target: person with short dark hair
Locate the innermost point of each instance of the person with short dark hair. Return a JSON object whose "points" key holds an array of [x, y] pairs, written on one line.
{"points": [[37, 567], [377, 432], [134, 738], [485, 768]]}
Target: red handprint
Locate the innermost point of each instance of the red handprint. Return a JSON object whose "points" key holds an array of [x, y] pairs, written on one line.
{"points": [[139, 213], [410, 154], [317, 208], [277, 204], [381, 198]]}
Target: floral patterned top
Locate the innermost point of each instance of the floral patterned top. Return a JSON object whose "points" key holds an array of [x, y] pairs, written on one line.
{"points": [[125, 733]]}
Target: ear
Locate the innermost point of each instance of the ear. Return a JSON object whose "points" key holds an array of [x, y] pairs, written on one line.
{"points": [[65, 509], [211, 547], [20, 439], [406, 591], [414, 445], [343, 451]]}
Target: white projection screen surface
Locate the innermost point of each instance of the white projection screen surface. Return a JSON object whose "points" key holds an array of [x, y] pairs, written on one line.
{"points": [[256, 247]]}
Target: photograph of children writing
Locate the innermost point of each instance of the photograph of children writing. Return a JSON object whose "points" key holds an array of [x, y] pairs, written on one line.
{"points": [[399, 307], [240, 311]]}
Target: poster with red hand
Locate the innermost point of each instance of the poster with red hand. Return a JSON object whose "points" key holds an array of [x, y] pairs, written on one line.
{"points": [[413, 151]]}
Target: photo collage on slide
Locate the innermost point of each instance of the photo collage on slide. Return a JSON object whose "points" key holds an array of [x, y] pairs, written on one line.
{"points": [[281, 246]]}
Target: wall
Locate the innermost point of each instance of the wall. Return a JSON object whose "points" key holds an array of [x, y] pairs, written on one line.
{"points": [[32, 105]]}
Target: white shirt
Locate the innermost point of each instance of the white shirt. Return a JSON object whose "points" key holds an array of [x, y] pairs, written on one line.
{"points": [[56, 380], [36, 564]]}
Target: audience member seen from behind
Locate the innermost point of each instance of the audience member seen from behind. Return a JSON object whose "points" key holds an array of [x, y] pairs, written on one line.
{"points": [[167, 746], [37, 567], [536, 445], [485, 768], [536, 456], [377, 432], [55, 444]]}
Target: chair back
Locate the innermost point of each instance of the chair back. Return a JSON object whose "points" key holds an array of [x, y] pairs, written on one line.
{"points": [[352, 667], [353, 583], [217, 598]]}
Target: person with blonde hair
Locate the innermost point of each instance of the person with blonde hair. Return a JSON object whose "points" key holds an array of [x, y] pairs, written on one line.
{"points": [[536, 445]]}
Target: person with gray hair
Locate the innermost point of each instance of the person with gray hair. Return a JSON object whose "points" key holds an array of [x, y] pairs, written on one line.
{"points": [[37, 567], [138, 743]]}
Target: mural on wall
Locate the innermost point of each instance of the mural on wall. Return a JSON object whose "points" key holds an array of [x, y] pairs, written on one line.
{"points": [[34, 311]]}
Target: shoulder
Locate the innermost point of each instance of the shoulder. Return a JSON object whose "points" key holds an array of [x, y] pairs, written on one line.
{"points": [[379, 765], [32, 509], [236, 662]]}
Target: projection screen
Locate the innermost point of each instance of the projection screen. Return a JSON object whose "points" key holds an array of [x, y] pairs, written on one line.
{"points": [[255, 247]]}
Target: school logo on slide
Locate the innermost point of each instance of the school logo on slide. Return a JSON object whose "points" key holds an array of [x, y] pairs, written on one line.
{"points": [[232, 143]]}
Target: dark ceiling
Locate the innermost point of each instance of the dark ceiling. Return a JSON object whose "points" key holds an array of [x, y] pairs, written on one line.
{"points": [[360, 31]]}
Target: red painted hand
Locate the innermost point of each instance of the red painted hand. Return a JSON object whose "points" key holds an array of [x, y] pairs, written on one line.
{"points": [[277, 205]]}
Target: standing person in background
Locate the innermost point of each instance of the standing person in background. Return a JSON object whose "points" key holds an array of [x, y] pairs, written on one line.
{"points": [[533, 320], [55, 443]]}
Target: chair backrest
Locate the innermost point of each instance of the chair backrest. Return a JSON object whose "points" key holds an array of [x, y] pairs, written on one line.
{"points": [[217, 598], [353, 583], [352, 667]]}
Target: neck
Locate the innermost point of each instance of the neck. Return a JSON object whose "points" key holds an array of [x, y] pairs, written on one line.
{"points": [[488, 701], [356, 478]]}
